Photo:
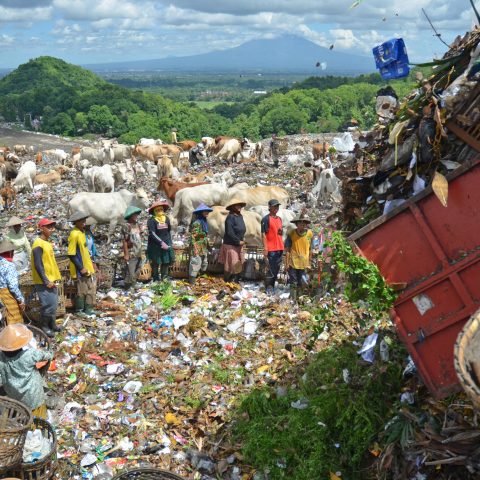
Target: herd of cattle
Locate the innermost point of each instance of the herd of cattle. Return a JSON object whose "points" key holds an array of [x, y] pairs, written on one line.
{"points": [[115, 176]]}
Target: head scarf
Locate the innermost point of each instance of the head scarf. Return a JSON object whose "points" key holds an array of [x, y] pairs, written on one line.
{"points": [[159, 215]]}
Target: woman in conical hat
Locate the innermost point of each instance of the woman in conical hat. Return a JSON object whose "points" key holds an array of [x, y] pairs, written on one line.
{"points": [[23, 250]]}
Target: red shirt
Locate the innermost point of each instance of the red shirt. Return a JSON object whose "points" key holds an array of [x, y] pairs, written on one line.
{"points": [[274, 238]]}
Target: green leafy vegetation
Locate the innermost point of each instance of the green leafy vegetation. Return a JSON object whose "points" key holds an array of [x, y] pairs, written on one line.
{"points": [[337, 426]]}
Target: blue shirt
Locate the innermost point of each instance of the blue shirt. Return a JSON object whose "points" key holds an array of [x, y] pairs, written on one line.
{"points": [[9, 279]]}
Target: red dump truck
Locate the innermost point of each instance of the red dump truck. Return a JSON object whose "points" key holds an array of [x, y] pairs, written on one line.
{"points": [[434, 253]]}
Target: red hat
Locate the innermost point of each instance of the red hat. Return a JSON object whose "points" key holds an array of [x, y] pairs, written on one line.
{"points": [[45, 221], [159, 203]]}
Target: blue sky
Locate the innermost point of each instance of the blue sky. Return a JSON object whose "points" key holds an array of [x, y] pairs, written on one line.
{"points": [[97, 31]]}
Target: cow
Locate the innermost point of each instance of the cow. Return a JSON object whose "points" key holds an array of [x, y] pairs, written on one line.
{"points": [[121, 152], [56, 155], [170, 187], [11, 157], [184, 162], [216, 225], [197, 178], [259, 195], [152, 152], [20, 149], [10, 170], [150, 141], [327, 188], [99, 179], [187, 199], [208, 143], [320, 150], [230, 151], [224, 178], [164, 167], [219, 142], [186, 145], [39, 158], [26, 176], [47, 178], [108, 207], [75, 150], [97, 156], [9, 195]]}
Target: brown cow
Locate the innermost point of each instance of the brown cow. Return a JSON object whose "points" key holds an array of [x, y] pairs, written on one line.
{"points": [[8, 195], [320, 150], [9, 169], [75, 150], [38, 158], [171, 187], [152, 152], [186, 145], [199, 177], [51, 177]]}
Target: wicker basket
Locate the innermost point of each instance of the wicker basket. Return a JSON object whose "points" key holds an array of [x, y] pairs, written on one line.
{"points": [[147, 474], [179, 269], [45, 468], [44, 343], [468, 370], [32, 302], [15, 420], [145, 272], [105, 276]]}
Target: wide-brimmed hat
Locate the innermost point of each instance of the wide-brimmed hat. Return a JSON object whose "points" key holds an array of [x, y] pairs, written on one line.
{"points": [[6, 246], [235, 201], [203, 208], [13, 337], [14, 221], [90, 221], [158, 203], [44, 222], [78, 216], [131, 210], [274, 203], [301, 219]]}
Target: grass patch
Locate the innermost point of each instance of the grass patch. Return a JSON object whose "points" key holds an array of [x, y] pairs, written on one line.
{"points": [[336, 430]]}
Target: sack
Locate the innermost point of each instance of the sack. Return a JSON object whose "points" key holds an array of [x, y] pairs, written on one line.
{"points": [[391, 59]]}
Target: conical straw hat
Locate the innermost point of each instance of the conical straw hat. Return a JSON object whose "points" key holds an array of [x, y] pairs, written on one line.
{"points": [[13, 337]]}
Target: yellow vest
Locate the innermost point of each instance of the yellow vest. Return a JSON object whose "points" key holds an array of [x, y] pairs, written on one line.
{"points": [[300, 249], [77, 240], [49, 263]]}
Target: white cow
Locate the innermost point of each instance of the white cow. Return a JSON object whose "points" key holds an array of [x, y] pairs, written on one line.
{"points": [[328, 187], [26, 176], [108, 207], [187, 199], [57, 155], [230, 150], [121, 152], [259, 195], [224, 178], [97, 156], [99, 179], [150, 141], [164, 167]]}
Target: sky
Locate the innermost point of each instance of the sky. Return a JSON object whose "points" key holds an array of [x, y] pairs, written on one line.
{"points": [[100, 31]]}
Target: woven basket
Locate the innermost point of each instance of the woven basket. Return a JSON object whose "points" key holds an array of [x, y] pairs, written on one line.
{"points": [[147, 474], [179, 269], [145, 273], [44, 343], [15, 420], [32, 302], [464, 358], [45, 468], [105, 276]]}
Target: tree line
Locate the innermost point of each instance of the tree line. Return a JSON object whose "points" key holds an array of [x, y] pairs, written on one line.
{"points": [[72, 101]]}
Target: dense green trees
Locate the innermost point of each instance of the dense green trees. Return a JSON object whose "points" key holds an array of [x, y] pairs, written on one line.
{"points": [[73, 101]]}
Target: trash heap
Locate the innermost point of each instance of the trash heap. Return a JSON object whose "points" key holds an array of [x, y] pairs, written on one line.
{"points": [[418, 143]]}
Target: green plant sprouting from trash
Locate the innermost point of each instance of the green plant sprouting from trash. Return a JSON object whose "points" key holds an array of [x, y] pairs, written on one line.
{"points": [[363, 281], [164, 296]]}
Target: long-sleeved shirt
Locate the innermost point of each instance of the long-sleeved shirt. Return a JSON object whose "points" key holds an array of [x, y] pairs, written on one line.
{"points": [[159, 232], [9, 279], [19, 240], [234, 229], [20, 377]]}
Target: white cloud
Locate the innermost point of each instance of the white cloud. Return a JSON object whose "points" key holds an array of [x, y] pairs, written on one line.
{"points": [[101, 9], [8, 14]]}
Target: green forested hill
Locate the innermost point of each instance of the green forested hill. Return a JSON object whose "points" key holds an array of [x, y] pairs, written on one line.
{"points": [[70, 100]]}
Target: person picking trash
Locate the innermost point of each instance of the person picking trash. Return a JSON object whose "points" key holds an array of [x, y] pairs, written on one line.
{"points": [[45, 274], [23, 250], [272, 232], [198, 242], [18, 371], [132, 245], [81, 266], [298, 248], [160, 250], [10, 294]]}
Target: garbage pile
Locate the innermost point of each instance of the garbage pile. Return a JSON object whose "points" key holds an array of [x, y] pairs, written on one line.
{"points": [[418, 143]]}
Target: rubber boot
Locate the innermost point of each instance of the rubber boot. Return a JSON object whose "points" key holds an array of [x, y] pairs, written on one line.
{"points": [[44, 326], [53, 324], [164, 272], [227, 276], [89, 310], [79, 305]]}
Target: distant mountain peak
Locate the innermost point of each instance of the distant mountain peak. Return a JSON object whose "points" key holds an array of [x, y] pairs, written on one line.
{"points": [[285, 53]]}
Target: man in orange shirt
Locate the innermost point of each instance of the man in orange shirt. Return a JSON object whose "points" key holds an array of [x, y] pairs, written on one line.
{"points": [[272, 230]]}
